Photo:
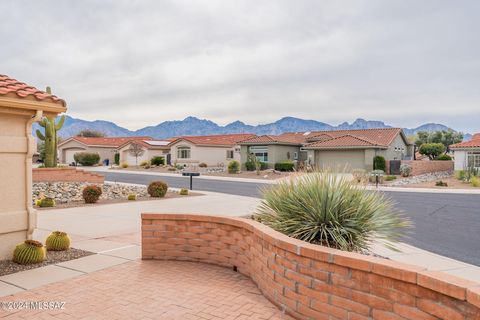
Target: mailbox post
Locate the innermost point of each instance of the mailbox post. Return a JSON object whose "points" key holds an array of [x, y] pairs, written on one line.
{"points": [[191, 175]]}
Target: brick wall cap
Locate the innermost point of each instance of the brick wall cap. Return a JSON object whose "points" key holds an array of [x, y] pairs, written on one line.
{"points": [[473, 295], [445, 283]]}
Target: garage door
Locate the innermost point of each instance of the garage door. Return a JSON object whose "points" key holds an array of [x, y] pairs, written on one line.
{"points": [[338, 160], [69, 155]]}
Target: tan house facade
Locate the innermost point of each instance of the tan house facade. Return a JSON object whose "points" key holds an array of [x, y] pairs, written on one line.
{"points": [[150, 148], [20, 106], [467, 153], [338, 149], [106, 147], [213, 150]]}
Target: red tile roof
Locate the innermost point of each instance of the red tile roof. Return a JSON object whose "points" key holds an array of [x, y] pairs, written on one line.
{"points": [[345, 141], [381, 136], [473, 143], [287, 138], [105, 141], [216, 140], [150, 143], [10, 87]]}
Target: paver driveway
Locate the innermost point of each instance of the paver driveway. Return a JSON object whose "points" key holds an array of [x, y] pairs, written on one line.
{"points": [[152, 290]]}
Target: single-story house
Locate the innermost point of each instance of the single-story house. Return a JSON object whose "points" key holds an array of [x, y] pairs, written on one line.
{"points": [[467, 153], [148, 149], [354, 149], [213, 150], [106, 147]]}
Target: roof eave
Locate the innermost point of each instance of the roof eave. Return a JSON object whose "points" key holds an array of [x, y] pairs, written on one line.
{"points": [[349, 147], [27, 104]]}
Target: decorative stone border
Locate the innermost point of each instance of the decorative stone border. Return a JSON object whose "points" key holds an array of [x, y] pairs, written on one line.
{"points": [[309, 281]]}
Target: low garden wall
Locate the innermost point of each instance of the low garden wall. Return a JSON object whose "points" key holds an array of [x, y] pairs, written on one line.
{"points": [[65, 174], [422, 167], [309, 281]]}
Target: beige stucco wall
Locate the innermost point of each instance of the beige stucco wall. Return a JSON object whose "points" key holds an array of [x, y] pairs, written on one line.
{"points": [[126, 157], [340, 160], [211, 155], [276, 153], [104, 152]]}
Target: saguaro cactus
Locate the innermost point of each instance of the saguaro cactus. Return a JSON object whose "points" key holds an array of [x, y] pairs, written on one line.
{"points": [[50, 139]]}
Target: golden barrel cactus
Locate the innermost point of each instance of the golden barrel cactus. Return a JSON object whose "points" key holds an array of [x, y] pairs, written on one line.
{"points": [[58, 241], [29, 252]]}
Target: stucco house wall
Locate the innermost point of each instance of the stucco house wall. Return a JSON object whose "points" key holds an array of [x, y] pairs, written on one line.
{"points": [[460, 160], [211, 155], [276, 153], [126, 157], [75, 146]]}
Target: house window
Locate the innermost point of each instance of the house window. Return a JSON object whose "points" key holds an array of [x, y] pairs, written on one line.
{"points": [[183, 152], [295, 156], [261, 153], [473, 159], [229, 154]]}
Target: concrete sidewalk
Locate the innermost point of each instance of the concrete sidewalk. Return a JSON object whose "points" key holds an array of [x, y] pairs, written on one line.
{"points": [[113, 232]]}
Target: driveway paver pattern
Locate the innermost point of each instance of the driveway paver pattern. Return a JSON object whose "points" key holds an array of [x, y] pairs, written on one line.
{"points": [[151, 290]]}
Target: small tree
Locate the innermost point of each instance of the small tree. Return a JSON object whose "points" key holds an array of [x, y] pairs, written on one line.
{"points": [[258, 165], [136, 150], [432, 150], [90, 133], [379, 163]]}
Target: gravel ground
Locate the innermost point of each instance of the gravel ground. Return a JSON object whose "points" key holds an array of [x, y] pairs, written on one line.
{"points": [[8, 266]]}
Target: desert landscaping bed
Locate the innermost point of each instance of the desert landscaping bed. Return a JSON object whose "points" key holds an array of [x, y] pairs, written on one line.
{"points": [[52, 257], [429, 180]]}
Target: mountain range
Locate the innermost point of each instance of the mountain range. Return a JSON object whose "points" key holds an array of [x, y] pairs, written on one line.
{"points": [[195, 126]]}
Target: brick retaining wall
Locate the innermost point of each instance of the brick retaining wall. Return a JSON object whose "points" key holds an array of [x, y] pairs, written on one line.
{"points": [[421, 166], [309, 281], [65, 174]]}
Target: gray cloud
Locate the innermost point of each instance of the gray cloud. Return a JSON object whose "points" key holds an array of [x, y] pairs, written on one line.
{"points": [[142, 62]]}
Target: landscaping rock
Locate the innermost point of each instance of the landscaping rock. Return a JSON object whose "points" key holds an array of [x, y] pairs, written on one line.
{"points": [[65, 192], [427, 177]]}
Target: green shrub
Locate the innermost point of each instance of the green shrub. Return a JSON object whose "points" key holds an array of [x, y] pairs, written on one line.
{"points": [[124, 165], [460, 175], [117, 158], [390, 178], [86, 158], [203, 165], [250, 166], [405, 170], [183, 192], [443, 157], [233, 166], [475, 181], [58, 241], [379, 163], [157, 161], [91, 193], [179, 167], [46, 203], [157, 189], [132, 197], [441, 184], [145, 163], [29, 252], [432, 150], [285, 166], [360, 175], [328, 209]]}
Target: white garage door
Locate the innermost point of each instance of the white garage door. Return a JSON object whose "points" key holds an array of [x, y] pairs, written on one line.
{"points": [[339, 159], [69, 155]]}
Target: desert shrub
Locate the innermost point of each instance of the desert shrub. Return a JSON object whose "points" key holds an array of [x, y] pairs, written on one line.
{"points": [[183, 192], [328, 209], [144, 163], [250, 166], [132, 197], [46, 202], [233, 166], [405, 170], [29, 252], [460, 175], [157, 189], [172, 169], [432, 150], [179, 167], [124, 165], [91, 193], [390, 178], [203, 165], [157, 161], [441, 184], [284, 166], [443, 157], [360, 175], [58, 241], [116, 158], [147, 166], [379, 163], [86, 158], [475, 182]]}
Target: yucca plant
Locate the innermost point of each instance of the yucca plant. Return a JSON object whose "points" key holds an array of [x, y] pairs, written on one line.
{"points": [[29, 252], [331, 210], [58, 241]]}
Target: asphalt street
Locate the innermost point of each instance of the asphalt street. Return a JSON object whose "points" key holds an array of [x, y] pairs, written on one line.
{"points": [[446, 224]]}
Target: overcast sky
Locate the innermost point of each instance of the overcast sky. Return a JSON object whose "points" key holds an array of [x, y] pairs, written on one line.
{"points": [[139, 63]]}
